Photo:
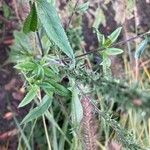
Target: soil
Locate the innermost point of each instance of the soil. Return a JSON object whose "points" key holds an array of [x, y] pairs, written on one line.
{"points": [[11, 92]]}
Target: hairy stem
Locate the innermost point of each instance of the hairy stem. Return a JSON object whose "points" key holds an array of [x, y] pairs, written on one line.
{"points": [[88, 125]]}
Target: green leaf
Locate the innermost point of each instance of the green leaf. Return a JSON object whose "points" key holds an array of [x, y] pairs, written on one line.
{"points": [[21, 50], [100, 18], [46, 43], [113, 51], [39, 110], [39, 72], [59, 89], [22, 42], [76, 107], [141, 48], [50, 73], [26, 66], [29, 96], [103, 40], [31, 21], [52, 25], [107, 43], [83, 7], [47, 87], [113, 36], [106, 61], [6, 10], [100, 37], [106, 66]]}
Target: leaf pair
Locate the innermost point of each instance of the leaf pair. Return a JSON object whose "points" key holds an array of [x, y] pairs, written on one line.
{"points": [[49, 87], [111, 39], [46, 101], [51, 23], [108, 50]]}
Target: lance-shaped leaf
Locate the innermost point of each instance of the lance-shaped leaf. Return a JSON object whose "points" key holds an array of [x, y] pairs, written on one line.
{"points": [[141, 48], [30, 96], [52, 25], [83, 7], [30, 23], [26, 66], [59, 89], [76, 107], [39, 110], [114, 35], [113, 51], [47, 88]]}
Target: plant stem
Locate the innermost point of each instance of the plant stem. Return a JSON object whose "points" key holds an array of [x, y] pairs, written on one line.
{"points": [[72, 13], [40, 43], [136, 70], [45, 127], [116, 44], [46, 133]]}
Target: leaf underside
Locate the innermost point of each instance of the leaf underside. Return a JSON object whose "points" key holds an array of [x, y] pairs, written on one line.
{"points": [[52, 25]]}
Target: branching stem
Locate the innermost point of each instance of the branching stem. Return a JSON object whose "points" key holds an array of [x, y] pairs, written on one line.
{"points": [[116, 44]]}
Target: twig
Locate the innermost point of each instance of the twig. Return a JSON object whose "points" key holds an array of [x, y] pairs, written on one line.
{"points": [[40, 43], [72, 13], [46, 133], [116, 44], [123, 135]]}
